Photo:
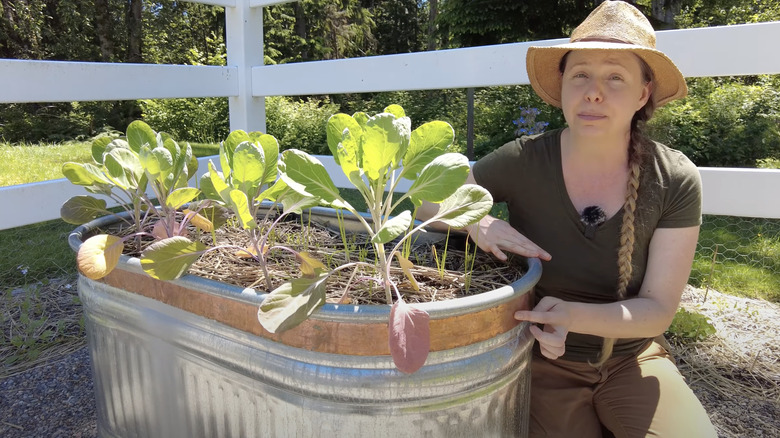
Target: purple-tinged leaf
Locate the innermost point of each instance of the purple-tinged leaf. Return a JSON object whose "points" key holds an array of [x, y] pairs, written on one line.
{"points": [[410, 337]]}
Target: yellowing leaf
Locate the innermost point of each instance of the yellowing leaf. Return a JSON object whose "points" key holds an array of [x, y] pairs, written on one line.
{"points": [[99, 255], [250, 252], [200, 221], [407, 266], [309, 264]]}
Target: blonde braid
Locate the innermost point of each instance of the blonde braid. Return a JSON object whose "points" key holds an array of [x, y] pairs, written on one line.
{"points": [[626, 251]]}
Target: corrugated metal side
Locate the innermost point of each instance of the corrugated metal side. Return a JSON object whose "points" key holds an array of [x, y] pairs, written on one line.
{"points": [[164, 372]]}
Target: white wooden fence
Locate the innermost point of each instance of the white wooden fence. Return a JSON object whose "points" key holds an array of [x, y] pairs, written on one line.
{"points": [[716, 51]]}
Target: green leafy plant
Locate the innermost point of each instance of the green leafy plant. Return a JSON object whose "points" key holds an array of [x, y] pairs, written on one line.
{"points": [[375, 153], [135, 171], [691, 325], [248, 176]]}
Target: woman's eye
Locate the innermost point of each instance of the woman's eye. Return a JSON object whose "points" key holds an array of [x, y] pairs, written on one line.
{"points": [[579, 75], [616, 78]]}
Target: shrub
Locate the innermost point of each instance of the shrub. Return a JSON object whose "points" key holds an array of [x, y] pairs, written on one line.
{"points": [[203, 120], [299, 124], [722, 123]]}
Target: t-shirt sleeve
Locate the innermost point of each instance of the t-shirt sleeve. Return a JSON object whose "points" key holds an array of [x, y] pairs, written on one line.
{"points": [[682, 204], [492, 170]]}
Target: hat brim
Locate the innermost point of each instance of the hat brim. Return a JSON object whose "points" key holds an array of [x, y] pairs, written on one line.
{"points": [[542, 64]]}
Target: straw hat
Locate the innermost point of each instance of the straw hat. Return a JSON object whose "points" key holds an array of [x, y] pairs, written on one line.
{"points": [[613, 25]]}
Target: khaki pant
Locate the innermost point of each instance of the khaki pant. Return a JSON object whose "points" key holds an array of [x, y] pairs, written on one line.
{"points": [[630, 396]]}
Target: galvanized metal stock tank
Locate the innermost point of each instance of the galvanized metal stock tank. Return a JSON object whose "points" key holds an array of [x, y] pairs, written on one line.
{"points": [[187, 358]]}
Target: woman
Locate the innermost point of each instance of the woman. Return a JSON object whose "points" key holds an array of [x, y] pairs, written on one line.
{"points": [[618, 217]]}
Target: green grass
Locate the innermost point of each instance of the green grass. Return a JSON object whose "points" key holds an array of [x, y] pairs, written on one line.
{"points": [[746, 255], [26, 163]]}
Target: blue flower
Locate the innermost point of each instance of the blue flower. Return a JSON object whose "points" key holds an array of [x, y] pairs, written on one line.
{"points": [[527, 124]]}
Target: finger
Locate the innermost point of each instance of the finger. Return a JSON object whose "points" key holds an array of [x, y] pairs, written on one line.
{"points": [[551, 339], [524, 248], [539, 317], [496, 251], [551, 353]]}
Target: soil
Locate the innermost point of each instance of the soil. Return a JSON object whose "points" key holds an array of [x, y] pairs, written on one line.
{"points": [[462, 271]]}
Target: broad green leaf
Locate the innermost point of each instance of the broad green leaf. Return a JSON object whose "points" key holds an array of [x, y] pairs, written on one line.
{"points": [[207, 187], [335, 128], [123, 167], [466, 206], [271, 155], [84, 174], [274, 192], [361, 118], [294, 202], [306, 175], [291, 303], [427, 142], [99, 147], [439, 178], [156, 162], [410, 338], [385, 142], [225, 161], [191, 161], [99, 255], [395, 110], [248, 168], [179, 197], [82, 209], [139, 134], [393, 228], [229, 146], [348, 160], [170, 258], [218, 183], [407, 267], [178, 164], [240, 205]]}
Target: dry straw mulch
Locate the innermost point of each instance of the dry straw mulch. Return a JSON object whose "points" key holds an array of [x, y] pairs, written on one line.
{"points": [[736, 372], [40, 323]]}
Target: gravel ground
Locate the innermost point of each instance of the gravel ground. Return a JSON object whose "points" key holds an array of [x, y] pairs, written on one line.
{"points": [[57, 399], [53, 400]]}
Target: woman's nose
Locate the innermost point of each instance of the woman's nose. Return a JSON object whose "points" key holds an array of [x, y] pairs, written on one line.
{"points": [[593, 93]]}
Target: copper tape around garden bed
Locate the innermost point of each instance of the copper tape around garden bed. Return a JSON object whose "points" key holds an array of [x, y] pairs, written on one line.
{"points": [[322, 336]]}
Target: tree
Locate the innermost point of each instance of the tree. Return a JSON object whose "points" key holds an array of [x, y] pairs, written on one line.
{"points": [[469, 23], [703, 13]]}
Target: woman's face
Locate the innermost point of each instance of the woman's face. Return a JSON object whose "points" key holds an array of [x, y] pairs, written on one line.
{"points": [[601, 91]]}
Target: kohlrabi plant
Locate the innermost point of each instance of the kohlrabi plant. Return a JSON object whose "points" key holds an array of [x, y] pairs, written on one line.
{"points": [[376, 153], [138, 172]]}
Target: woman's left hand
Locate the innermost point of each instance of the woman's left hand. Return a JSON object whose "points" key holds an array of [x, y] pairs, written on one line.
{"points": [[551, 312]]}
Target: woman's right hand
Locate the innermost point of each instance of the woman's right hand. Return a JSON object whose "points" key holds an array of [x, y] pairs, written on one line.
{"points": [[496, 236]]}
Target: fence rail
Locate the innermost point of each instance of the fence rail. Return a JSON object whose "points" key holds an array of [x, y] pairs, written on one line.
{"points": [[716, 51]]}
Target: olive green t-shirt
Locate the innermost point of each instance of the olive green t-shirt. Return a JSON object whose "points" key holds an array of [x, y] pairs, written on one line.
{"points": [[526, 174]]}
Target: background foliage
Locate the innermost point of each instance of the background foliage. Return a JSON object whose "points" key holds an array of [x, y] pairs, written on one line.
{"points": [[724, 121]]}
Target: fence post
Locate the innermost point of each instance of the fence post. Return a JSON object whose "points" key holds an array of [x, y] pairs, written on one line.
{"points": [[244, 28]]}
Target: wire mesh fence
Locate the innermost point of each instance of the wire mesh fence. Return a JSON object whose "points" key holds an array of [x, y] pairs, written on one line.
{"points": [[740, 256]]}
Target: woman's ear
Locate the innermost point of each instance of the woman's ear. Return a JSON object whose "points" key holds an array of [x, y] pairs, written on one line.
{"points": [[647, 92]]}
